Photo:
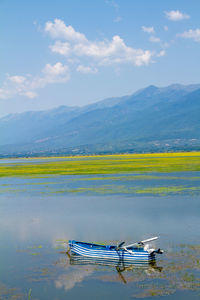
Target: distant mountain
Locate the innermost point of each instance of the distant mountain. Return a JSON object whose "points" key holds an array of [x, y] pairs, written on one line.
{"points": [[152, 119]]}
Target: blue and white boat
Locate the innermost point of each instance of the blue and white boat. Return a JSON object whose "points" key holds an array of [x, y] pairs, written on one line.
{"points": [[140, 251]]}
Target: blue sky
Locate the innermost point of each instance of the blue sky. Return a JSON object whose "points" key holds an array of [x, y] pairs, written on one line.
{"points": [[73, 52]]}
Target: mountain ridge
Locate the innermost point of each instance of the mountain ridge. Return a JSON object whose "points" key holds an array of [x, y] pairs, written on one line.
{"points": [[153, 113]]}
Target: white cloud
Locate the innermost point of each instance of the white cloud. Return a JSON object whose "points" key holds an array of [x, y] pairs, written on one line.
{"points": [[148, 29], [166, 28], [29, 94], [57, 72], [191, 34], [103, 52], [61, 48], [17, 79], [85, 70], [113, 52], [154, 39], [176, 15], [161, 53], [28, 85], [58, 29]]}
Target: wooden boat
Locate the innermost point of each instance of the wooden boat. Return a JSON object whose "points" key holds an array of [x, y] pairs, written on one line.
{"points": [[139, 251]]}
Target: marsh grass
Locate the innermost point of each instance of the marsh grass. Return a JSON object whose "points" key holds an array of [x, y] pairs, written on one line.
{"points": [[115, 164], [120, 189]]}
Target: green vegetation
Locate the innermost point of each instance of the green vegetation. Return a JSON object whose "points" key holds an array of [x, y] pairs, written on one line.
{"points": [[29, 294], [114, 174], [179, 272], [116, 189], [110, 164], [10, 293]]}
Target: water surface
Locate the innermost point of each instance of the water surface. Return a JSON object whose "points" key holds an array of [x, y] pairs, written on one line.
{"points": [[39, 215]]}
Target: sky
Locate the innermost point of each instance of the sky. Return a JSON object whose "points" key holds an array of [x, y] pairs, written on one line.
{"points": [[75, 52]]}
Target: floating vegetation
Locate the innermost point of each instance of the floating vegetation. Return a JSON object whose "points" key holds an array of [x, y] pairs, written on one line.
{"points": [[107, 164], [29, 250], [135, 177], [121, 189], [169, 190], [106, 175], [109, 189], [34, 253], [36, 247], [180, 272], [10, 293], [153, 290]]}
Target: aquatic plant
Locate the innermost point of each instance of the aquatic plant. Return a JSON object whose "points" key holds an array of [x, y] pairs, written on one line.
{"points": [[110, 164], [29, 294]]}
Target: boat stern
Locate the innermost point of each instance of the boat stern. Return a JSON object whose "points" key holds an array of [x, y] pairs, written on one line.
{"points": [[152, 251]]}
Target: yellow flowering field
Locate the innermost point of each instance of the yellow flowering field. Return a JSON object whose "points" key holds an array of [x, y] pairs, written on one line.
{"points": [[104, 164]]}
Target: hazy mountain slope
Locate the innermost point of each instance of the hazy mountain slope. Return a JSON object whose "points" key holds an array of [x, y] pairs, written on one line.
{"points": [[150, 114], [165, 117], [25, 127]]}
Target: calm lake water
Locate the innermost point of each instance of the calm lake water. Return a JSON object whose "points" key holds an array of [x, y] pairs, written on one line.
{"points": [[39, 215]]}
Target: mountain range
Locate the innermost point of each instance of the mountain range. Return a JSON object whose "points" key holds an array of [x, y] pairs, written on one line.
{"points": [[151, 120]]}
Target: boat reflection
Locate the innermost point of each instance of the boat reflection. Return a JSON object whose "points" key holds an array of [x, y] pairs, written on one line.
{"points": [[120, 265]]}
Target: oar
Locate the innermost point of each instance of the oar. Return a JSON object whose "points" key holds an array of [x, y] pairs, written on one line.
{"points": [[120, 246], [139, 243]]}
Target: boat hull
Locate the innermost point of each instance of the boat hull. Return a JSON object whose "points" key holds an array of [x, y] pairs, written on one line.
{"points": [[111, 253]]}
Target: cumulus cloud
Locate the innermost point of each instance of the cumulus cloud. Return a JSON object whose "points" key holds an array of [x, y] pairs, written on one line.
{"points": [[154, 39], [61, 48], [28, 85], [86, 69], [148, 29], [113, 52], [104, 52], [55, 73], [176, 15], [191, 34], [58, 29]]}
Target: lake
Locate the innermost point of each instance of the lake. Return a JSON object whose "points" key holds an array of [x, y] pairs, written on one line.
{"points": [[39, 214]]}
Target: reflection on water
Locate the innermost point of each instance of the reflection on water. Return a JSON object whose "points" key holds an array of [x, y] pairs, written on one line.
{"points": [[36, 222], [120, 265], [177, 271]]}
